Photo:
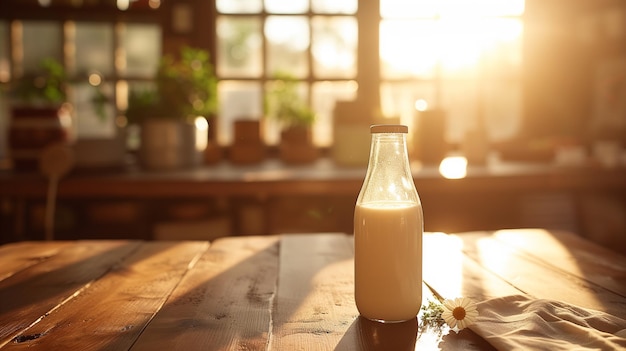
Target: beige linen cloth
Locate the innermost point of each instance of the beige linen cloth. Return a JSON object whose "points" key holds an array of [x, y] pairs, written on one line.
{"points": [[520, 323]]}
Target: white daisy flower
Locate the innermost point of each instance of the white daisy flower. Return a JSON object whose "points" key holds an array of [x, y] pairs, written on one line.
{"points": [[460, 312]]}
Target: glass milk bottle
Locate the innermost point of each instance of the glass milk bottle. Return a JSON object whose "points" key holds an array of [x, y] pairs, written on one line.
{"points": [[388, 227]]}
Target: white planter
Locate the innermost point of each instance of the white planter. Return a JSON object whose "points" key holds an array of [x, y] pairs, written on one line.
{"points": [[170, 144]]}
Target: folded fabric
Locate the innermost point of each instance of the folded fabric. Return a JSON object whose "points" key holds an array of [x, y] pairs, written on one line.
{"points": [[520, 323]]}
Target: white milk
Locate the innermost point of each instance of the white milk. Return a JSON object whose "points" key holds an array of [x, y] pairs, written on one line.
{"points": [[388, 260]]}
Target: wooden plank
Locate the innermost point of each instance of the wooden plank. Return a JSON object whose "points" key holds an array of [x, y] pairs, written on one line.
{"points": [[537, 277], [19, 256], [448, 271], [112, 312], [35, 292], [572, 254], [314, 302], [223, 303]]}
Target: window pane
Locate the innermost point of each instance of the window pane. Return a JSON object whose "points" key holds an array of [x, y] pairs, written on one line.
{"points": [[334, 6], [398, 99], [496, 42], [462, 43], [240, 51], [287, 45], [324, 97], [239, 6], [40, 40], [141, 44], [5, 69], [502, 103], [503, 51], [459, 99], [458, 45], [91, 121], [409, 48], [237, 100], [482, 7], [464, 8], [94, 48], [408, 8], [334, 47], [290, 6], [272, 127]]}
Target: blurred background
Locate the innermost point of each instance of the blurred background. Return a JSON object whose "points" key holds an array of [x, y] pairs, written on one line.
{"points": [[496, 81]]}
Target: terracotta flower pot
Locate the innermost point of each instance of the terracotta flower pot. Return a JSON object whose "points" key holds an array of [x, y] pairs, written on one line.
{"points": [[248, 148], [296, 146]]}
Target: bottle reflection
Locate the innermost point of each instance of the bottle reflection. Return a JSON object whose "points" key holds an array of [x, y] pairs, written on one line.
{"points": [[387, 336]]}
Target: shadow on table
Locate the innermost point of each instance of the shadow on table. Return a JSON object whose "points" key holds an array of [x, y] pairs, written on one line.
{"points": [[367, 335]]}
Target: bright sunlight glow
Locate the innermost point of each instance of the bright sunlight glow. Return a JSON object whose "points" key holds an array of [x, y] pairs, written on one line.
{"points": [[453, 167], [452, 35], [202, 126], [444, 8], [421, 105]]}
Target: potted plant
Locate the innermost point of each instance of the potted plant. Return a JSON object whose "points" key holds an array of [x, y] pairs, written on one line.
{"points": [[295, 118], [40, 114], [173, 116]]}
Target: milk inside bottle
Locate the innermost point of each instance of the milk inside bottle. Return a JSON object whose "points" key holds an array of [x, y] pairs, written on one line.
{"points": [[388, 228]]}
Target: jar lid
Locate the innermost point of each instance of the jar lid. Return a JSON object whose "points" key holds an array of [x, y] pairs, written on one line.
{"points": [[389, 128]]}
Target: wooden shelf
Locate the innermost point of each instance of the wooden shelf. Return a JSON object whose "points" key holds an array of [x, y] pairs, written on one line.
{"points": [[273, 198], [323, 177]]}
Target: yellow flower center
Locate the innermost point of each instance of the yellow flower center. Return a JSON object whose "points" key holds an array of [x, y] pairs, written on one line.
{"points": [[458, 313]]}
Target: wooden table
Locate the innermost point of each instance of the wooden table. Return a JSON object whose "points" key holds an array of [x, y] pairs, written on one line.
{"points": [[282, 292]]}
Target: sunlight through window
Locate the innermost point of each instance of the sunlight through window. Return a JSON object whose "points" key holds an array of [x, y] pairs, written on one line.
{"points": [[437, 51]]}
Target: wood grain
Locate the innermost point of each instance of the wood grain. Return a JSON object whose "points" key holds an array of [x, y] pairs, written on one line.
{"points": [[112, 311], [21, 255], [448, 271], [288, 292], [314, 303], [38, 290], [223, 303], [572, 254], [539, 277]]}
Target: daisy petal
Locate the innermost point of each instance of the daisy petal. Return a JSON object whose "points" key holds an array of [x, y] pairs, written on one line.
{"points": [[451, 322], [461, 324], [465, 302], [471, 308], [449, 304]]}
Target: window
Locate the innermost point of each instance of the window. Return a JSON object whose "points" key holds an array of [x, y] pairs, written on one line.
{"points": [[316, 44], [461, 56], [101, 47]]}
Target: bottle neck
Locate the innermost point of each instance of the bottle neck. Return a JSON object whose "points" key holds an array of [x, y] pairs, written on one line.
{"points": [[388, 176], [389, 150]]}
